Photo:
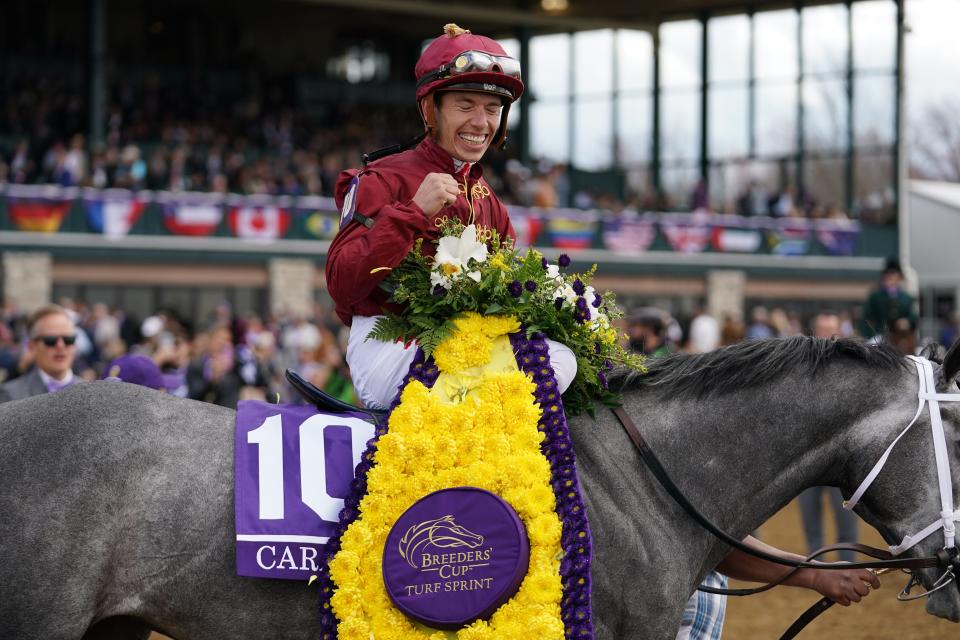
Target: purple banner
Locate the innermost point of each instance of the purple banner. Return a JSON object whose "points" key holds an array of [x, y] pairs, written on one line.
{"points": [[838, 237], [293, 468]]}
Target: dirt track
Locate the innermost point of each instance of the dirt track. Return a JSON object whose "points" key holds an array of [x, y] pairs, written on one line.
{"points": [[878, 617]]}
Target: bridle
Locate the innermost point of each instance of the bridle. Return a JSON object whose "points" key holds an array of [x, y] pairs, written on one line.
{"points": [[947, 559]]}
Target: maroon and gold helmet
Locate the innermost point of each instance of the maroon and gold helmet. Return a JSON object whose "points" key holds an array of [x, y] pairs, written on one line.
{"points": [[461, 61]]}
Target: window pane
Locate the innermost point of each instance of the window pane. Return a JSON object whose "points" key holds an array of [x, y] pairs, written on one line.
{"points": [[679, 125], [635, 124], [550, 66], [678, 184], [824, 181], [825, 39], [728, 41], [825, 114], [593, 131], [875, 34], [634, 60], [680, 54], [776, 44], [593, 51], [549, 124], [874, 107], [776, 119], [873, 188], [728, 122]]}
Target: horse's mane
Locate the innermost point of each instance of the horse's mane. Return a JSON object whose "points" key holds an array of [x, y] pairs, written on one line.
{"points": [[753, 362]]}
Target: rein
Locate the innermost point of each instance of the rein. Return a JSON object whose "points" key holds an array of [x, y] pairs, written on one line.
{"points": [[947, 558]]}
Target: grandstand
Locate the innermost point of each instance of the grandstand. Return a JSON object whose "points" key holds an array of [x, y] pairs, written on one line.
{"points": [[701, 152]]}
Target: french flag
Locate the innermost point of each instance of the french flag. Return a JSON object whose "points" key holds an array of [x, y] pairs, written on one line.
{"points": [[114, 212]]}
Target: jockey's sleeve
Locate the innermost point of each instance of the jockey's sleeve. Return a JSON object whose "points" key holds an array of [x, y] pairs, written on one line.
{"points": [[358, 249]]}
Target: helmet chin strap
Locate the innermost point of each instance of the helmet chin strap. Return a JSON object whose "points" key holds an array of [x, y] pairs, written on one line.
{"points": [[428, 114]]}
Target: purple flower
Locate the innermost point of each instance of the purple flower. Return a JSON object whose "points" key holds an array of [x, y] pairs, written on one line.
{"points": [[558, 303], [578, 287], [597, 300], [515, 288], [530, 286], [543, 263], [563, 260], [439, 290], [602, 377], [582, 306]]}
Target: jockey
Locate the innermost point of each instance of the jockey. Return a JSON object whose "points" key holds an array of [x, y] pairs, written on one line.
{"points": [[465, 86]]}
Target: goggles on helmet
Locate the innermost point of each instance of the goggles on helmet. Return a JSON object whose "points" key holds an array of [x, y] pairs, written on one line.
{"points": [[473, 62]]}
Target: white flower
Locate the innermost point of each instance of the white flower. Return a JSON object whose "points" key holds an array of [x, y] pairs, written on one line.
{"points": [[553, 271], [600, 321], [454, 255]]}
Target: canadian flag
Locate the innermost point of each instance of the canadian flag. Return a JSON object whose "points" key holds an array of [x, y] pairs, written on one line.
{"points": [[259, 223]]}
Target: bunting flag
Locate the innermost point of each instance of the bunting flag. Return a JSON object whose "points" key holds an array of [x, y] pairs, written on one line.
{"points": [[735, 234], [685, 234], [571, 233], [789, 238], [628, 234], [527, 225], [39, 209], [837, 237], [729, 240], [259, 222], [191, 214], [113, 212], [317, 217]]}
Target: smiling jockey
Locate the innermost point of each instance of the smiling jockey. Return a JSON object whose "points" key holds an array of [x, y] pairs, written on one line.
{"points": [[465, 86]]}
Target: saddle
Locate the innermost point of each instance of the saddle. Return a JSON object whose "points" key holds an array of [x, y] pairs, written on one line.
{"points": [[326, 403]]}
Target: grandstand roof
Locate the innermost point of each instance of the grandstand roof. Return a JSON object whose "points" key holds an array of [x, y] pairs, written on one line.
{"points": [[580, 14]]}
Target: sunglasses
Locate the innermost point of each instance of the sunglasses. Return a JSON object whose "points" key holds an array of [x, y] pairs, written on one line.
{"points": [[473, 62], [51, 341]]}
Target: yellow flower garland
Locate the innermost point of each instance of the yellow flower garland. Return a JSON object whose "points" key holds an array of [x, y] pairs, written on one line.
{"points": [[489, 440]]}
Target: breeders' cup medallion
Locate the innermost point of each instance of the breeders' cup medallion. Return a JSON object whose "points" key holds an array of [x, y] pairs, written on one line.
{"points": [[454, 557]]}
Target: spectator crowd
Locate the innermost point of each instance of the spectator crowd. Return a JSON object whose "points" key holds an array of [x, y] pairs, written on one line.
{"points": [[160, 139]]}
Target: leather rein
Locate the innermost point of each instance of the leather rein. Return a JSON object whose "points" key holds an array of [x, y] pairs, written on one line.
{"points": [[885, 560]]}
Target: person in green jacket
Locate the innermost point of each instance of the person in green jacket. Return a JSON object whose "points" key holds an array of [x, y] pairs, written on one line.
{"points": [[889, 312]]}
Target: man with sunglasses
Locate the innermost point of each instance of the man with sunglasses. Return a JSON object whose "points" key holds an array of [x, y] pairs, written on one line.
{"points": [[465, 86], [52, 349]]}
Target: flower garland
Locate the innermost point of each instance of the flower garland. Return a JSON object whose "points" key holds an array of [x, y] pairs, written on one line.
{"points": [[534, 360], [509, 436], [466, 276]]}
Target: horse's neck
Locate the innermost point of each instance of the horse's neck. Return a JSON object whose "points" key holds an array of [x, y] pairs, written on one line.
{"points": [[742, 456]]}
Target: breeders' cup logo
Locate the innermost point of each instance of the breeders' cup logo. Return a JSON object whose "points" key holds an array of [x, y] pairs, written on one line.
{"points": [[442, 533], [445, 575]]}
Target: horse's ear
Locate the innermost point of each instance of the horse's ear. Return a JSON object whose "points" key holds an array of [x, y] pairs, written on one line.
{"points": [[934, 352], [951, 363]]}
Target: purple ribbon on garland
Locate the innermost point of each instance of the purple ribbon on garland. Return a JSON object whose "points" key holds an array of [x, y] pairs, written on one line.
{"points": [[533, 358]]}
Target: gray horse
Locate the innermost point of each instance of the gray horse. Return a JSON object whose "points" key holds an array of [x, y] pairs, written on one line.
{"points": [[116, 507]]}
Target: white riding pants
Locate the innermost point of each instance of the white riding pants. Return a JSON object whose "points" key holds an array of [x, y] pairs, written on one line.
{"points": [[378, 368]]}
